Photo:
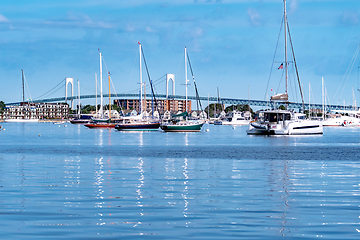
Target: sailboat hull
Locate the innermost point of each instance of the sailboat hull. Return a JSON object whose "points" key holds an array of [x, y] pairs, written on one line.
{"points": [[100, 125], [146, 126], [181, 127]]}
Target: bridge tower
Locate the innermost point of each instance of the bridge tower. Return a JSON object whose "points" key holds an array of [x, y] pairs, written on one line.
{"points": [[71, 81], [168, 78]]}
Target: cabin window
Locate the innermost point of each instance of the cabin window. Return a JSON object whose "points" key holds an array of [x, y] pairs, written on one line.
{"points": [[301, 117], [273, 117], [287, 116], [281, 117]]}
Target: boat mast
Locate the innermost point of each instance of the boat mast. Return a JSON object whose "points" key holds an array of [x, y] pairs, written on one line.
{"points": [[285, 25], [22, 76], [109, 97], [79, 97], [141, 84], [309, 99], [186, 82], [96, 111], [323, 98], [101, 90]]}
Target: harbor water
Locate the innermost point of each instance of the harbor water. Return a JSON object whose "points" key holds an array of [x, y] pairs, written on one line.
{"points": [[66, 181]]}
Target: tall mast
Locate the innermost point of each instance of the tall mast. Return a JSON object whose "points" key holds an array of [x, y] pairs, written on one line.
{"points": [[101, 88], [141, 85], [186, 81], [22, 76], [323, 98], [109, 97], [286, 65], [79, 97], [96, 94], [309, 98]]}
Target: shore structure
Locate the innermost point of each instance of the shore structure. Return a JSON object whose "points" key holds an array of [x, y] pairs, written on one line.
{"points": [[36, 111]]}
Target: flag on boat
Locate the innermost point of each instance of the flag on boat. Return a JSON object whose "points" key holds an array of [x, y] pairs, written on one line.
{"points": [[281, 66]]}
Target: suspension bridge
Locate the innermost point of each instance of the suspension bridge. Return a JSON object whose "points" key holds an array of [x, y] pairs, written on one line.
{"points": [[170, 77], [226, 101]]}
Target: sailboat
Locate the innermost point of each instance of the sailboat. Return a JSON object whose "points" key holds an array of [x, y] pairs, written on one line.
{"points": [[80, 119], [100, 121], [28, 109], [284, 122], [180, 122], [140, 122]]}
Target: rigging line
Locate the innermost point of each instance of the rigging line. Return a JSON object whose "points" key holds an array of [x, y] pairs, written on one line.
{"points": [[342, 59], [51, 89], [273, 61], [111, 82], [197, 94], [27, 87], [282, 76], [152, 89], [348, 72], [297, 73], [132, 70]]}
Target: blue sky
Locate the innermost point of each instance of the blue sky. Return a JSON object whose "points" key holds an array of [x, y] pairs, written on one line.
{"points": [[231, 44]]}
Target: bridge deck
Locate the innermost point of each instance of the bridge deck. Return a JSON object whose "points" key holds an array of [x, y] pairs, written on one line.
{"points": [[230, 101]]}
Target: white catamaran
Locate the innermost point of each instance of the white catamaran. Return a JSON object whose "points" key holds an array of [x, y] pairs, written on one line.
{"points": [[284, 122]]}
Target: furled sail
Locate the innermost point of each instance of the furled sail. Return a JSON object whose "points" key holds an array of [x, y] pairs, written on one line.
{"points": [[280, 97]]}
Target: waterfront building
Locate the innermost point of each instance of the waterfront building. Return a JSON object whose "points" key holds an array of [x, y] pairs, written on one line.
{"points": [[37, 111], [171, 105]]}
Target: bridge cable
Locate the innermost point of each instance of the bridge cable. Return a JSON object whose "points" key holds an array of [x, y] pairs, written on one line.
{"points": [[51, 89]]}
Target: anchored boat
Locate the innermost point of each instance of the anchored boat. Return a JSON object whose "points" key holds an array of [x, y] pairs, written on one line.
{"points": [[140, 122], [284, 122], [180, 122]]}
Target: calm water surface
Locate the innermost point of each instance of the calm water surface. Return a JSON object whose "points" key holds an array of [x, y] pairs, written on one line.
{"points": [[67, 181]]}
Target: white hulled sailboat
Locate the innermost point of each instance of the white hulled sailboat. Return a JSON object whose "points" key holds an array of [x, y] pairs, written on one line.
{"points": [[284, 122]]}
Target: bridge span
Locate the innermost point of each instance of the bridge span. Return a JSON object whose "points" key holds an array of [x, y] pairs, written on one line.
{"points": [[229, 101]]}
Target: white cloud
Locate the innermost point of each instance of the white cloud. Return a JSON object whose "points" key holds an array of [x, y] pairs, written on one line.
{"points": [[3, 18], [350, 18], [149, 29], [293, 6], [254, 16]]}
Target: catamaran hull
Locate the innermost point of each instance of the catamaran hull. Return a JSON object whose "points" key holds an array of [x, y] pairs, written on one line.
{"points": [[182, 128], [138, 127], [293, 128]]}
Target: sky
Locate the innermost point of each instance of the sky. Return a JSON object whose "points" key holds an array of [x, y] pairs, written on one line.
{"points": [[233, 45]]}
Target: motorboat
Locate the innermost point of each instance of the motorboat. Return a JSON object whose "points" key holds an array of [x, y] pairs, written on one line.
{"points": [[284, 122], [235, 118]]}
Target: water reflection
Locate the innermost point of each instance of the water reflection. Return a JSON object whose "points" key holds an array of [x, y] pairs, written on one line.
{"points": [[185, 192], [71, 180], [100, 139], [139, 187], [99, 190]]}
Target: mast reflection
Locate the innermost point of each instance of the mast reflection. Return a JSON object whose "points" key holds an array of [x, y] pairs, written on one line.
{"points": [[99, 183], [186, 191]]}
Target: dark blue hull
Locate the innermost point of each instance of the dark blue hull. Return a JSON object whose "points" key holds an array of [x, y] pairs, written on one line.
{"points": [[138, 126]]}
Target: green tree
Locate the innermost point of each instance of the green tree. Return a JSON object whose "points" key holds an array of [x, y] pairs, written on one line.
{"points": [[88, 109], [214, 109], [2, 106], [282, 107], [239, 107]]}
